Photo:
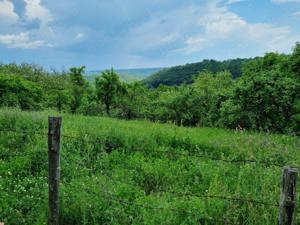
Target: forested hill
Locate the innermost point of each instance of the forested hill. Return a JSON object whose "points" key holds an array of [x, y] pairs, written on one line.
{"points": [[266, 97], [184, 74], [127, 75]]}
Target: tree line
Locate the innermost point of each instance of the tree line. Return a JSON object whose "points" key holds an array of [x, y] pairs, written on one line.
{"points": [[266, 97], [178, 75]]}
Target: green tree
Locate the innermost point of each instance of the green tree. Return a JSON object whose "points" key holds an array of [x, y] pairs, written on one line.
{"points": [[59, 99], [79, 86], [15, 91], [57, 89], [108, 88], [210, 91], [264, 97], [133, 100], [90, 104], [294, 63], [175, 106]]}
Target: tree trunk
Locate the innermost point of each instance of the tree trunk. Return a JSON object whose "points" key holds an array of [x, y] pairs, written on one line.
{"points": [[107, 107]]}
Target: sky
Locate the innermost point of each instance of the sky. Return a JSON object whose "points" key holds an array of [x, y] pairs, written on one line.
{"points": [[101, 34]]}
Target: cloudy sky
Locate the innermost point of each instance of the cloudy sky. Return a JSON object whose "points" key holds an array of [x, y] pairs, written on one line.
{"points": [[143, 33]]}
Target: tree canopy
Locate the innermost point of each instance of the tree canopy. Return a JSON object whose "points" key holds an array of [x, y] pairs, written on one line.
{"points": [[258, 94]]}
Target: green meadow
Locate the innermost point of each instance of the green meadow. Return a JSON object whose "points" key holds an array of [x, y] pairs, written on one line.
{"points": [[138, 172]]}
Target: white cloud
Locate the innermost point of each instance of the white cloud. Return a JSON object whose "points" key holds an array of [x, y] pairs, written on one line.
{"points": [[221, 25], [221, 22], [194, 44], [196, 28], [21, 40], [297, 13], [285, 1], [170, 30], [154, 33], [13, 34], [230, 2], [35, 10], [7, 15], [79, 36]]}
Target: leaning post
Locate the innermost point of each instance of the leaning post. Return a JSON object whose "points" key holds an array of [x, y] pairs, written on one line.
{"points": [[287, 202]]}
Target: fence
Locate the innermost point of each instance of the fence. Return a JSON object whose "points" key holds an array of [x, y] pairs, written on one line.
{"points": [[286, 205]]}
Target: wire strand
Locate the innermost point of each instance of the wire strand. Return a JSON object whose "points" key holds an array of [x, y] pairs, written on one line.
{"points": [[188, 154]]}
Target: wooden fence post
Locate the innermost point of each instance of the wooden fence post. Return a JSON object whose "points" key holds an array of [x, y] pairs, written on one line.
{"points": [[54, 124], [287, 202]]}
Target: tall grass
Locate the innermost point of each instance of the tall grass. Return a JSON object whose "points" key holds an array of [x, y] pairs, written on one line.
{"points": [[137, 172]]}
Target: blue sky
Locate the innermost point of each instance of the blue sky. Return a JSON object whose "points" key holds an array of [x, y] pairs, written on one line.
{"points": [[143, 33]]}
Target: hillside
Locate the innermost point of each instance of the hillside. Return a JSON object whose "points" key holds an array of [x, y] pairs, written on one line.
{"points": [[184, 74], [137, 172], [126, 75]]}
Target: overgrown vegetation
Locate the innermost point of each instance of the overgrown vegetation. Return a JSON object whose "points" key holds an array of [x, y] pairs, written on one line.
{"points": [[266, 97], [138, 172], [178, 75]]}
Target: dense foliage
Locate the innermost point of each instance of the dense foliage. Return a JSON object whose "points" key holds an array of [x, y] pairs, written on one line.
{"points": [[137, 172], [17, 92], [126, 75], [178, 75], [265, 97]]}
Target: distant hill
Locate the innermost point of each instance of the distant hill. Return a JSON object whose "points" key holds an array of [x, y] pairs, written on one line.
{"points": [[184, 74], [127, 75]]}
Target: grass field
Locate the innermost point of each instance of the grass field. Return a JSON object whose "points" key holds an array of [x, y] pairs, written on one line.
{"points": [[137, 172]]}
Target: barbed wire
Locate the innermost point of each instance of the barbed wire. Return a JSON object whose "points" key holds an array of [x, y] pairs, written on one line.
{"points": [[112, 197], [191, 195], [23, 154], [23, 132], [197, 195], [188, 154], [223, 221], [234, 161], [229, 198]]}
